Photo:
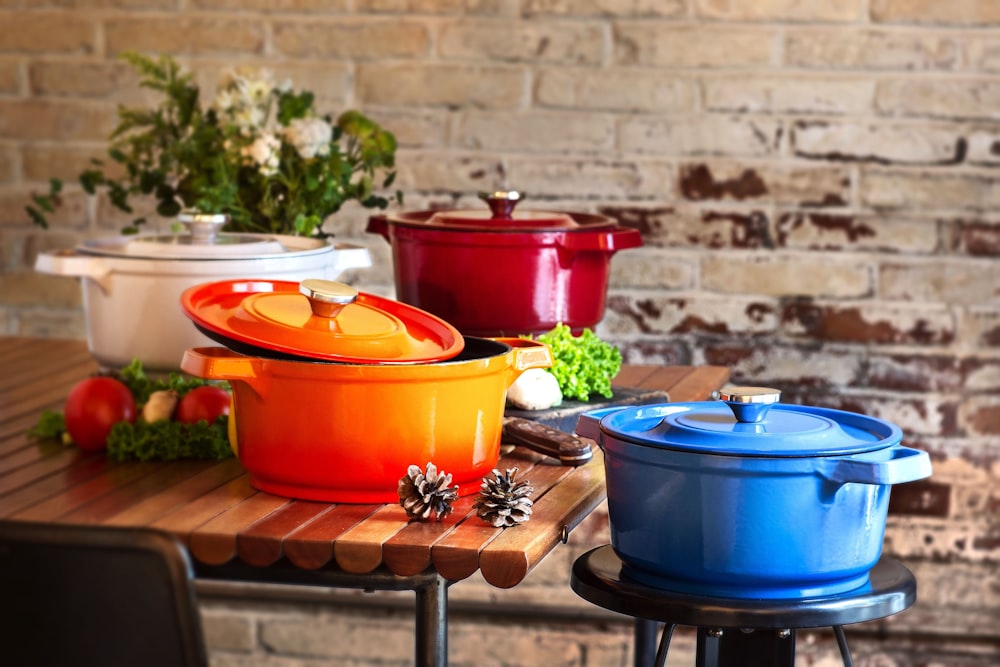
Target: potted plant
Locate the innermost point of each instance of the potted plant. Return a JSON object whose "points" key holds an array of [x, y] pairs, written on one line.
{"points": [[259, 153]]}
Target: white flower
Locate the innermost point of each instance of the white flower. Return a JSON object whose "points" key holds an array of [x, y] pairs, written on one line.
{"points": [[264, 152], [309, 136]]}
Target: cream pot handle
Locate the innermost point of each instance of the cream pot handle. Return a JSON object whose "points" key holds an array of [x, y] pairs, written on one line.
{"points": [[71, 263]]}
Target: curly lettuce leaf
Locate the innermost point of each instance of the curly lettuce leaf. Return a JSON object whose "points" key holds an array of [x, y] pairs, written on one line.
{"points": [[583, 365]]}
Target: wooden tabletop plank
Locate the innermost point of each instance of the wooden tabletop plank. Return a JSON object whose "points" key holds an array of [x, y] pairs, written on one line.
{"points": [[509, 558], [263, 543], [130, 494], [172, 498], [41, 487], [185, 520], [113, 477], [28, 465], [214, 542], [311, 546], [699, 386], [359, 549]]}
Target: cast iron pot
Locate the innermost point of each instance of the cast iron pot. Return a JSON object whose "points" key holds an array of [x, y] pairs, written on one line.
{"points": [[503, 272], [334, 431], [740, 501], [131, 284]]}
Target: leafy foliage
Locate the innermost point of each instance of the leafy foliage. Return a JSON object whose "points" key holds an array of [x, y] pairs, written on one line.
{"points": [[584, 364], [260, 153]]}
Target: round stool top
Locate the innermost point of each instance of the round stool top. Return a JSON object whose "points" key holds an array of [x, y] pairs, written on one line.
{"points": [[597, 578]]}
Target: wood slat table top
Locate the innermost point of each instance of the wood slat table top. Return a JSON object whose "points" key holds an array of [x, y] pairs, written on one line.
{"points": [[214, 510]]}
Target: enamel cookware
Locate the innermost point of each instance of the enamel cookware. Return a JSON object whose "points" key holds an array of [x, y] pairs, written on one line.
{"points": [[747, 497], [504, 272], [339, 391], [131, 284]]}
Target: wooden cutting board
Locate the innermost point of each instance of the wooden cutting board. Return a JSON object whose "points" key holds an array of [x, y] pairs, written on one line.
{"points": [[564, 417]]}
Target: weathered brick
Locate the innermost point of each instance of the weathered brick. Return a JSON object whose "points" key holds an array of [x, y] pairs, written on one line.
{"points": [[351, 38], [820, 230], [104, 4], [710, 135], [63, 161], [984, 324], [780, 184], [564, 42], [982, 52], [912, 372], [652, 268], [55, 120], [593, 178], [653, 44], [983, 148], [652, 350], [645, 313], [979, 238], [609, 8], [921, 498], [463, 7], [44, 323], [852, 48], [416, 128], [10, 165], [981, 414], [599, 89], [781, 365], [89, 79], [284, 6], [72, 213], [489, 87], [779, 10], [228, 631], [430, 171], [10, 76], [867, 142], [939, 98], [873, 323], [787, 275], [312, 635], [923, 191], [789, 94], [45, 32], [551, 132], [196, 36], [956, 12], [945, 281], [686, 225]]}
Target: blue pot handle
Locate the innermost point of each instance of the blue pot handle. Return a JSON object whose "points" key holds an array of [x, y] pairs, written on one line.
{"points": [[892, 465], [588, 425]]}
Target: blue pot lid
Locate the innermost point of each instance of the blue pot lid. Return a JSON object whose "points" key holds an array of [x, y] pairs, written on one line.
{"points": [[749, 421]]}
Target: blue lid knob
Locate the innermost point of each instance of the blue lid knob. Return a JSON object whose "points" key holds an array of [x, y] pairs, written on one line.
{"points": [[749, 404]]}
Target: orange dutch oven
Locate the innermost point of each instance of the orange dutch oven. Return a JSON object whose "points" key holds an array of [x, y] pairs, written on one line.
{"points": [[336, 393]]}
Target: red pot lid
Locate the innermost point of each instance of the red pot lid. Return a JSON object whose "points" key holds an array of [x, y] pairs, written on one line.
{"points": [[502, 217], [320, 319]]}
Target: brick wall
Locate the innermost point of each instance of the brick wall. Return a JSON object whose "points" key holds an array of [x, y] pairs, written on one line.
{"points": [[816, 183]]}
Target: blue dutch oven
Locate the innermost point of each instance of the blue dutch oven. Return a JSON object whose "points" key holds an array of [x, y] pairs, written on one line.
{"points": [[747, 497]]}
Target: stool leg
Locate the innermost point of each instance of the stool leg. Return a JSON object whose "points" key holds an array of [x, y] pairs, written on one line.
{"points": [[661, 652], [644, 639], [734, 647], [845, 652]]}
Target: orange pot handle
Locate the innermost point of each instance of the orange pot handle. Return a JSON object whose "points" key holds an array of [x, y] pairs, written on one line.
{"points": [[528, 354], [219, 363]]}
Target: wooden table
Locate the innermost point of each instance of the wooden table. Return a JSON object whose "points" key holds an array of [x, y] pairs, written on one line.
{"points": [[235, 532]]}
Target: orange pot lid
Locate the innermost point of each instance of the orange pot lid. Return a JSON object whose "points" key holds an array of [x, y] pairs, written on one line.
{"points": [[321, 320]]}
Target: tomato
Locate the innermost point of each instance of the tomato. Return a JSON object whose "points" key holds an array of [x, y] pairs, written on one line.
{"points": [[93, 407], [207, 403]]}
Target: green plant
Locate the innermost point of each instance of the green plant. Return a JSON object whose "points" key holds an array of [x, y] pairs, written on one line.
{"points": [[260, 153]]}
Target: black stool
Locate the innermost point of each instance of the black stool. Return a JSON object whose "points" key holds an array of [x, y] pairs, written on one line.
{"points": [[736, 632]]}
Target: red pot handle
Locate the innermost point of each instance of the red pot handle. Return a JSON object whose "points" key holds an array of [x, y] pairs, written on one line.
{"points": [[379, 224], [619, 238]]}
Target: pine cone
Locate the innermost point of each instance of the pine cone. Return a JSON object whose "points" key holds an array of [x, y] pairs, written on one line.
{"points": [[503, 503], [422, 494]]}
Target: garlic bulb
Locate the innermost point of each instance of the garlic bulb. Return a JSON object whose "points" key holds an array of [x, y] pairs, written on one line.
{"points": [[535, 389]]}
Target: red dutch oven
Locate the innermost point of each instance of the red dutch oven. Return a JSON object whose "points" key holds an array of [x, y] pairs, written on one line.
{"points": [[501, 272]]}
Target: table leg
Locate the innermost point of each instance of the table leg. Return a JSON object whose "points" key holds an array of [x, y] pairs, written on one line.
{"points": [[432, 623]]}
